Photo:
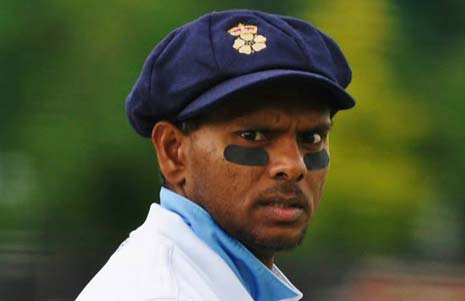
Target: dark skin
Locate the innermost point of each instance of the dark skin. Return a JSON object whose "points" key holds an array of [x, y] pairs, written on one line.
{"points": [[267, 207]]}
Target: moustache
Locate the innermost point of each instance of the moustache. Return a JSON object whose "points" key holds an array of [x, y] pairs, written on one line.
{"points": [[286, 195]]}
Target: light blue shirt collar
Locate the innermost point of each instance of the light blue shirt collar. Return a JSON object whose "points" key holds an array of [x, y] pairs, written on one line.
{"points": [[261, 283]]}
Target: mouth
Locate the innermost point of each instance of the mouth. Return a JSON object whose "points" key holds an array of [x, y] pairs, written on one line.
{"points": [[282, 210]]}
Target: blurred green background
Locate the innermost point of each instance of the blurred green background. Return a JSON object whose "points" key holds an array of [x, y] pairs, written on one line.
{"points": [[75, 179]]}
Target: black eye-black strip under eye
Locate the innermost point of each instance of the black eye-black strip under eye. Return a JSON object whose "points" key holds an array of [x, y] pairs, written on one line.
{"points": [[259, 157], [246, 156], [316, 161]]}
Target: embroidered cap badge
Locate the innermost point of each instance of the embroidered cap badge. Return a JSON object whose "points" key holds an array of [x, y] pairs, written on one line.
{"points": [[247, 41]]}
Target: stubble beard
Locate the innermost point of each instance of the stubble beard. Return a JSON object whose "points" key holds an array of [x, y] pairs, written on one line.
{"points": [[268, 245]]}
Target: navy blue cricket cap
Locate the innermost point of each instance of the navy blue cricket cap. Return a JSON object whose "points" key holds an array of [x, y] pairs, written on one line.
{"points": [[201, 63]]}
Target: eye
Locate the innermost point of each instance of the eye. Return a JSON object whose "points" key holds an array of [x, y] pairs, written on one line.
{"points": [[316, 138], [310, 138], [252, 135]]}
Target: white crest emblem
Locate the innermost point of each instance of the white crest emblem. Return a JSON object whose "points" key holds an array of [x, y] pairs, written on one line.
{"points": [[247, 41]]}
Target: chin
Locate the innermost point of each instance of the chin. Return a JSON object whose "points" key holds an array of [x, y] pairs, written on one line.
{"points": [[272, 243]]}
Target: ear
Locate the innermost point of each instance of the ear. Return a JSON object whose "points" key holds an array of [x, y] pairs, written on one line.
{"points": [[169, 143]]}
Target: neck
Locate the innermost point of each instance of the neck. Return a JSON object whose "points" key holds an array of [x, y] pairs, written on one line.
{"points": [[267, 258], [267, 261]]}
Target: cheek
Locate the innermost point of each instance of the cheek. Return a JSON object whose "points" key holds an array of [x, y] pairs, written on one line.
{"points": [[215, 183], [223, 189], [313, 186]]}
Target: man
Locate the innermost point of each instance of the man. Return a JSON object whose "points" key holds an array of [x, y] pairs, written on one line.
{"points": [[238, 105]]}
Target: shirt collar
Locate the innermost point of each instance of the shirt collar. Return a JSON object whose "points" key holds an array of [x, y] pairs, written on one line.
{"points": [[262, 283]]}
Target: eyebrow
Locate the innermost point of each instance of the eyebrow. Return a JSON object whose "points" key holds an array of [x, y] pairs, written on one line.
{"points": [[324, 127]]}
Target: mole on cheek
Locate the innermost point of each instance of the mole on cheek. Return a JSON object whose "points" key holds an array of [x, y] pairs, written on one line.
{"points": [[316, 161], [246, 156]]}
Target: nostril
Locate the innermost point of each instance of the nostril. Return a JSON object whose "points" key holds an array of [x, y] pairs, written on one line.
{"points": [[281, 175], [285, 176]]}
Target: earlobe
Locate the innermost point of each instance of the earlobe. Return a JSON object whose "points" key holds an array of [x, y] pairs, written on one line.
{"points": [[168, 142]]}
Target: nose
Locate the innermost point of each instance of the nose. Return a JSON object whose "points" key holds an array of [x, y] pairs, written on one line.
{"points": [[287, 162]]}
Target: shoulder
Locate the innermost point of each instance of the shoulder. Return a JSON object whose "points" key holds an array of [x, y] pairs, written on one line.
{"points": [[150, 265], [136, 271]]}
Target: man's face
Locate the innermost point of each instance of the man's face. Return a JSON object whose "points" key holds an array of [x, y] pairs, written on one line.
{"points": [[266, 206]]}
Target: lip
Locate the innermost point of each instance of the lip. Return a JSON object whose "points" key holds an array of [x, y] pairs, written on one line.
{"points": [[283, 210]]}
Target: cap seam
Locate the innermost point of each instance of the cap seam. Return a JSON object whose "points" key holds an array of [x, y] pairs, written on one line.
{"points": [[155, 58], [326, 37], [265, 18], [211, 42]]}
